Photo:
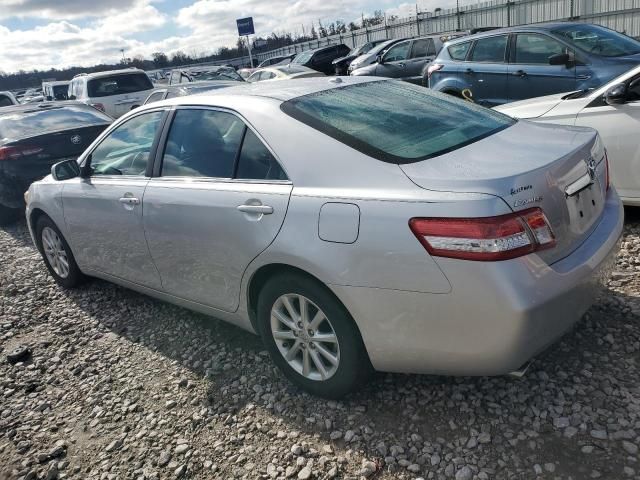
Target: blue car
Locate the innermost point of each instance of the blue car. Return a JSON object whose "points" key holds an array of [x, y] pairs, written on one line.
{"points": [[517, 63]]}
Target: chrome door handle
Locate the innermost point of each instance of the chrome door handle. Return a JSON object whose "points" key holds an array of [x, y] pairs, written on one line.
{"points": [[130, 201], [261, 209], [519, 73]]}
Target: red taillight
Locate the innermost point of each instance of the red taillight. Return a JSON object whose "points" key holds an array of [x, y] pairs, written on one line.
{"points": [[12, 153], [607, 178], [434, 68], [485, 239], [99, 106]]}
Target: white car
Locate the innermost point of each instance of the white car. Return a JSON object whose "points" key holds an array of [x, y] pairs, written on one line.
{"points": [[114, 92], [286, 72], [55, 90], [613, 110]]}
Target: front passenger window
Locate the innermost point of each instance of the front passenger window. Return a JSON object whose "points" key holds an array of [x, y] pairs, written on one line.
{"points": [[202, 143], [125, 151], [536, 49], [398, 52]]}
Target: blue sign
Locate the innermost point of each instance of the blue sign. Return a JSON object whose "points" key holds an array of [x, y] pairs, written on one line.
{"points": [[245, 26]]}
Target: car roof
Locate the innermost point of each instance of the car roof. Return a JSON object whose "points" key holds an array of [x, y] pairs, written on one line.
{"points": [[315, 50], [539, 27], [203, 84], [281, 91], [108, 73], [57, 82]]}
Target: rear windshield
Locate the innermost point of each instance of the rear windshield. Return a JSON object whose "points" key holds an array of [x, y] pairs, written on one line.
{"points": [[60, 92], [37, 120], [119, 84], [599, 40], [225, 74], [303, 57], [406, 123]]}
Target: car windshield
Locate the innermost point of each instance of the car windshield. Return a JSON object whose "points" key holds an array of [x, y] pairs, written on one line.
{"points": [[222, 74], [119, 84], [39, 120], [599, 40], [406, 123], [60, 91], [303, 57]]}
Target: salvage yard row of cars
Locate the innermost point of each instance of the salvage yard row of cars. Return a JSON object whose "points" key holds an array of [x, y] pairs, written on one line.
{"points": [[413, 232]]}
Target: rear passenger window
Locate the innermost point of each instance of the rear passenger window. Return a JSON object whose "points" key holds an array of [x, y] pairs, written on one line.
{"points": [[5, 101], [459, 50], [420, 48], [491, 49], [536, 49], [202, 143], [256, 161]]}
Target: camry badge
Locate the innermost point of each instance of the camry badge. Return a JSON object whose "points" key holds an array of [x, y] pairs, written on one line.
{"points": [[76, 139]]}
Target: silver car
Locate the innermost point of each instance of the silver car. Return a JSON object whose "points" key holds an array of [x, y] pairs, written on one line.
{"points": [[355, 224]]}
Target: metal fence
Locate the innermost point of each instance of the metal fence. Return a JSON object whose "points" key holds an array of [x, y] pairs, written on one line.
{"points": [[620, 15]]}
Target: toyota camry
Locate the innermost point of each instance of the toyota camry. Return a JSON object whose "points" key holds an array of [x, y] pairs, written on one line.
{"points": [[355, 224]]}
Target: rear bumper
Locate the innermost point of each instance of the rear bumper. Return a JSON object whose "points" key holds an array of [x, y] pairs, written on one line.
{"points": [[498, 314]]}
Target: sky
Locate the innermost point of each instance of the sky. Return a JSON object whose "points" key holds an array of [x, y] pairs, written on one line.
{"points": [[59, 33]]}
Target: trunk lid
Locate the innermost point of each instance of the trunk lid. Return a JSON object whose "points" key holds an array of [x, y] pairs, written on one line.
{"points": [[530, 165], [35, 155]]}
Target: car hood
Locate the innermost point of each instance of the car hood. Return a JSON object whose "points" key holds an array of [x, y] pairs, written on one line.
{"points": [[531, 108]]}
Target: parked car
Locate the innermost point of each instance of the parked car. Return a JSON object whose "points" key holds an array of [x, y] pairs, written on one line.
{"points": [[287, 72], [341, 65], [202, 74], [279, 60], [517, 63], [320, 59], [404, 60], [183, 89], [33, 138], [7, 99], [613, 110], [453, 240], [372, 55], [115, 92], [55, 90]]}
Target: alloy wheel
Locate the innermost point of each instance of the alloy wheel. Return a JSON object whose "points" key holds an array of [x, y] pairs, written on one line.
{"points": [[305, 337], [55, 252]]}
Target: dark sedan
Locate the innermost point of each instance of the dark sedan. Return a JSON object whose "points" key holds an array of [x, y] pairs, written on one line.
{"points": [[321, 59], [34, 137]]}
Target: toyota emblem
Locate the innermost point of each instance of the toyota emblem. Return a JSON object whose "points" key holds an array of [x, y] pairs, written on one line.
{"points": [[76, 139]]}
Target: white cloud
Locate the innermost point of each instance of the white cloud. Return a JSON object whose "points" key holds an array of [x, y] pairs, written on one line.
{"points": [[62, 9]]}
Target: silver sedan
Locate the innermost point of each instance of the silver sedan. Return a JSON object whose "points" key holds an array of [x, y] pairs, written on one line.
{"points": [[355, 224]]}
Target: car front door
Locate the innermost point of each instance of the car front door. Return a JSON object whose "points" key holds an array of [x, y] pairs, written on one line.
{"points": [[487, 70], [103, 210], [394, 62], [423, 51], [217, 200], [618, 126], [531, 75]]}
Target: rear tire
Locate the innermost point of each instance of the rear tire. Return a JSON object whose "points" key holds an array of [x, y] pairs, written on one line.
{"points": [[57, 255], [9, 215], [325, 352]]}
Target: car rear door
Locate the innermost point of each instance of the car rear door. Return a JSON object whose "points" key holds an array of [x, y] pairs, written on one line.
{"points": [[530, 74], [487, 70], [423, 50], [217, 200], [103, 211]]}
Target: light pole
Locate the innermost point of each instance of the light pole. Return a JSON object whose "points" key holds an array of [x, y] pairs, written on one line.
{"points": [[458, 14], [124, 60]]}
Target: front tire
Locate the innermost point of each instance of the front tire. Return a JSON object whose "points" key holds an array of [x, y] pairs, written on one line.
{"points": [[57, 255], [311, 337]]}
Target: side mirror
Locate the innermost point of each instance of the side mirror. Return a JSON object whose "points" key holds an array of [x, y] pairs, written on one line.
{"points": [[380, 58], [559, 59], [65, 170], [616, 95]]}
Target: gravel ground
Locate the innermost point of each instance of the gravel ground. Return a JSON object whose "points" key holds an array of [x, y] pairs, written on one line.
{"points": [[119, 386]]}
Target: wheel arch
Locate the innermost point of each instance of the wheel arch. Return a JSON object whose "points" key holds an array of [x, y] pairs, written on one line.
{"points": [[262, 275], [34, 216]]}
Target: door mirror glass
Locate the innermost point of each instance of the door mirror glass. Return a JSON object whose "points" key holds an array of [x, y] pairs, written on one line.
{"points": [[559, 59], [65, 170], [380, 58], [616, 95]]}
